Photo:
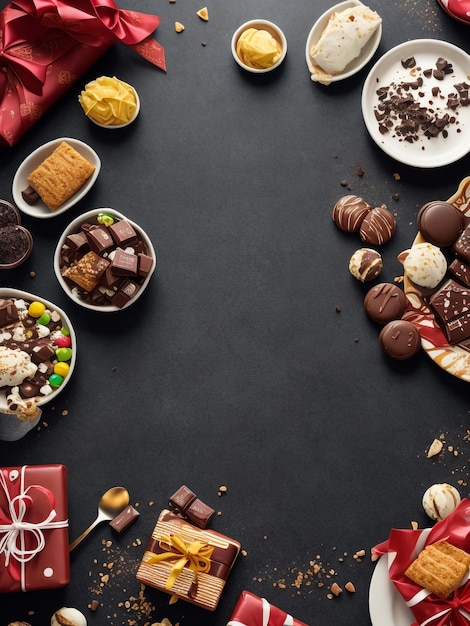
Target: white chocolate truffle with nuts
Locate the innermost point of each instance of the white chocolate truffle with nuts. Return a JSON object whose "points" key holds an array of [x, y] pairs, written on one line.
{"points": [[67, 616], [424, 264], [440, 500]]}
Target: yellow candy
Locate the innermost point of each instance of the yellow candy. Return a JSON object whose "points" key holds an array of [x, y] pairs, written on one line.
{"points": [[62, 369], [36, 309], [108, 101], [258, 48]]}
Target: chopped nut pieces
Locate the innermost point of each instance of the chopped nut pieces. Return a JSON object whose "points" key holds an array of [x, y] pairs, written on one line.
{"points": [[179, 27], [434, 448], [336, 589], [350, 587], [203, 14]]}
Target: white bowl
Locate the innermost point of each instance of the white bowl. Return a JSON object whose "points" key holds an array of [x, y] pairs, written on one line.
{"points": [[260, 24], [20, 181], [116, 126], [74, 227], [356, 64], [17, 294]]}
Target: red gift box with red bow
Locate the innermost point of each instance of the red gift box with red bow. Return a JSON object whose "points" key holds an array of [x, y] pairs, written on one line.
{"points": [[34, 550], [46, 45], [251, 610], [403, 546]]}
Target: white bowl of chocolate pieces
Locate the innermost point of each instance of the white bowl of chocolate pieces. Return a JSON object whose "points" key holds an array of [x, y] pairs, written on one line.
{"points": [[104, 261]]}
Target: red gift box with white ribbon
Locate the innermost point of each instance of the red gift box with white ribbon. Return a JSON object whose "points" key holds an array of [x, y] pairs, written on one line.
{"points": [[34, 547], [402, 548], [46, 45], [251, 610]]}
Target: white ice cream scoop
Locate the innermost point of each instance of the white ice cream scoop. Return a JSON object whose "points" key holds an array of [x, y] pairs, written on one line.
{"points": [[67, 616], [440, 500]]}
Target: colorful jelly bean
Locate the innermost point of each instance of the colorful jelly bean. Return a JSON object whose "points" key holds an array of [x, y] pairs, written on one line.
{"points": [[63, 354], [61, 368], [63, 341], [44, 319], [55, 380], [65, 331], [36, 309]]}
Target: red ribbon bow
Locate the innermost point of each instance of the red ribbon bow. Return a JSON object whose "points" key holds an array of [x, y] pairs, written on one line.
{"points": [[254, 611]]}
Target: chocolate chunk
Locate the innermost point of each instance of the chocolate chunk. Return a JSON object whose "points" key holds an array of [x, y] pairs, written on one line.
{"points": [[461, 271], [125, 519], [462, 246], [199, 513], [182, 498], [8, 313], [99, 239], [122, 232], [76, 241], [126, 292], [408, 63], [30, 195], [145, 263], [124, 263], [42, 352], [451, 304]]}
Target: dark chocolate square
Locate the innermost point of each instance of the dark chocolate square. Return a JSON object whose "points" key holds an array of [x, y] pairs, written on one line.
{"points": [[145, 264], [124, 263], [99, 239], [122, 232]]}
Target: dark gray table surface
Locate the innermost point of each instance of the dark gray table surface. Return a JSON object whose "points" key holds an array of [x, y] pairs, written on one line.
{"points": [[249, 362]]}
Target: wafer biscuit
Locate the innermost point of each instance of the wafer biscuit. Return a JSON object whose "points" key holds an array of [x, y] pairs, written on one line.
{"points": [[61, 175], [88, 271], [439, 568]]}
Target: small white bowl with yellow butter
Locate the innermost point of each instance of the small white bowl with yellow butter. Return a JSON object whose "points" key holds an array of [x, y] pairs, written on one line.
{"points": [[259, 46], [110, 102]]}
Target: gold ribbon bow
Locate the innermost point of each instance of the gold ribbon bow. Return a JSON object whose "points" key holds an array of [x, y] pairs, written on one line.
{"points": [[195, 555]]}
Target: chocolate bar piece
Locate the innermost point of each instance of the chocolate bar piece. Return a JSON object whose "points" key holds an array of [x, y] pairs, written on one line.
{"points": [[451, 304], [125, 519], [126, 292], [199, 513], [145, 264], [99, 239], [8, 313], [461, 271], [462, 245], [30, 195], [182, 498], [76, 241], [124, 263], [122, 232]]}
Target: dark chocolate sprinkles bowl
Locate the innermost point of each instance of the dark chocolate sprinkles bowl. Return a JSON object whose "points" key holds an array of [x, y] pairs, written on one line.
{"points": [[104, 261], [16, 242]]}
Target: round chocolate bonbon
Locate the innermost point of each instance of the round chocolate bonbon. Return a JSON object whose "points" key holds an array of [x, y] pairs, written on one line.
{"points": [[440, 223], [400, 339], [365, 264], [385, 302], [349, 211], [378, 226]]}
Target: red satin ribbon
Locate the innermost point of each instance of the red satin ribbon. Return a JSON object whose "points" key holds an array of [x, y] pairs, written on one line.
{"points": [[25, 23], [253, 611]]}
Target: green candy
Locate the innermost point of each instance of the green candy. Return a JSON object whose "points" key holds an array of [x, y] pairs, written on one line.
{"points": [[106, 219], [44, 319], [63, 354], [55, 380]]}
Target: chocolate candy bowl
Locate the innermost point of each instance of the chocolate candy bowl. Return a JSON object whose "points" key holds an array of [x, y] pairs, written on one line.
{"points": [[273, 30], [356, 64], [40, 342], [104, 261]]}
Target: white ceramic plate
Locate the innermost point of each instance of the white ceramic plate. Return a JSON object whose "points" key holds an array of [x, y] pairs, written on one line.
{"points": [[425, 152], [74, 227], [386, 606], [356, 64], [20, 181], [454, 359]]}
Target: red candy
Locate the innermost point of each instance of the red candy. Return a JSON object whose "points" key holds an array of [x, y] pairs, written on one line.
{"points": [[62, 341], [458, 9]]}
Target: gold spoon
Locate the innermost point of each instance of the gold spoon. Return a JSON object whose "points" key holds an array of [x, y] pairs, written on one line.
{"points": [[111, 504]]}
